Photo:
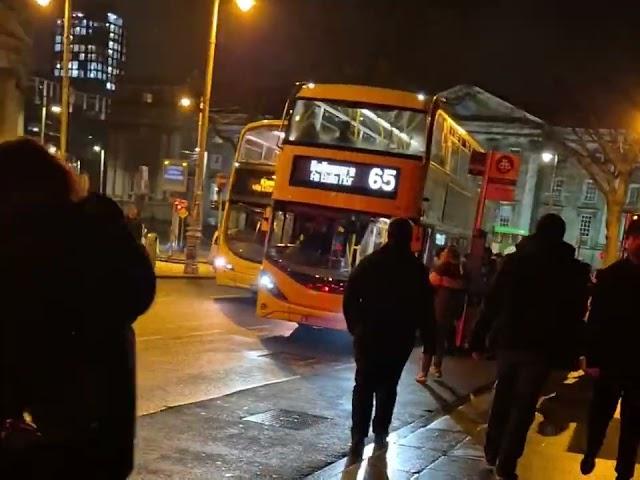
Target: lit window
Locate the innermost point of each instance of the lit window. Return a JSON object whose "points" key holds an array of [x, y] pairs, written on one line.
{"points": [[634, 195], [586, 221], [57, 48], [505, 213], [58, 38], [558, 189], [147, 97], [81, 57], [590, 193]]}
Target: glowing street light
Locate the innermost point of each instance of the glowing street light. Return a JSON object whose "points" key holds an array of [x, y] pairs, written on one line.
{"points": [[57, 109], [185, 102], [43, 3], [245, 5], [547, 157]]}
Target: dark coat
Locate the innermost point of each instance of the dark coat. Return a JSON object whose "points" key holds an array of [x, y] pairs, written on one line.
{"points": [[614, 320], [76, 282], [537, 304], [387, 299], [449, 302]]}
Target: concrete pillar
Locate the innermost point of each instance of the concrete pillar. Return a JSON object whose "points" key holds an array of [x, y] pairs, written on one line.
{"points": [[529, 177], [11, 107]]}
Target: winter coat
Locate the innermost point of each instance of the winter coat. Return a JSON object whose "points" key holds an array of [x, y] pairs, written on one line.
{"points": [[537, 303], [614, 320], [78, 281], [387, 299]]}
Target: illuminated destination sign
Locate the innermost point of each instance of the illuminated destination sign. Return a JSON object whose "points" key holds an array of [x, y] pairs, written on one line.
{"points": [[265, 185], [252, 185], [345, 177]]}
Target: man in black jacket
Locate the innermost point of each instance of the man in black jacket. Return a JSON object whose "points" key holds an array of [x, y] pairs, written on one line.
{"points": [[388, 298], [614, 330], [534, 320]]}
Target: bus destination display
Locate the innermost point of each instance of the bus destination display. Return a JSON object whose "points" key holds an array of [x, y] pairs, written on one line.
{"points": [[345, 177]]}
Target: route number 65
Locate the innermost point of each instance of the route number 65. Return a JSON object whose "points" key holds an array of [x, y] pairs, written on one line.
{"points": [[382, 179]]}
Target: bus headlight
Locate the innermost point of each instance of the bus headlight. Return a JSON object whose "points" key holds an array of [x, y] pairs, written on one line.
{"points": [[266, 282], [221, 263]]}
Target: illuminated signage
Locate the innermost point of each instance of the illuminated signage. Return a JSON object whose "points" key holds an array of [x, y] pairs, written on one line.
{"points": [[345, 177], [266, 185]]}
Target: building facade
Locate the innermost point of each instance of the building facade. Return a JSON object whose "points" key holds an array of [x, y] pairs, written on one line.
{"points": [[98, 49]]}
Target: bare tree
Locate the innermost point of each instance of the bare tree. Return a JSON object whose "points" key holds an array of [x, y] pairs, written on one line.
{"points": [[610, 157]]}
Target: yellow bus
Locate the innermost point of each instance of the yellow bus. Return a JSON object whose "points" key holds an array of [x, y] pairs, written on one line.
{"points": [[242, 237], [352, 158]]}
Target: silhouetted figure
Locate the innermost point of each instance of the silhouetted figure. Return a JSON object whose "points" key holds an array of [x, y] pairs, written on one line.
{"points": [[75, 282], [134, 223], [614, 331], [387, 299], [449, 285], [534, 320]]}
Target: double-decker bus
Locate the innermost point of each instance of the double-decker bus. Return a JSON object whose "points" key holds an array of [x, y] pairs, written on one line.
{"points": [[242, 237], [352, 158]]}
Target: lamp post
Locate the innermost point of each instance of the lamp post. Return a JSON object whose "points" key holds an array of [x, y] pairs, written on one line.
{"points": [[194, 229], [548, 157], [66, 80], [100, 150]]}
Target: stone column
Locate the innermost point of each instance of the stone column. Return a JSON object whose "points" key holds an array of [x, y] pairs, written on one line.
{"points": [[529, 177]]}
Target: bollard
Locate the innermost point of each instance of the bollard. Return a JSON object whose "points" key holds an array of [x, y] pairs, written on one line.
{"points": [[151, 244]]}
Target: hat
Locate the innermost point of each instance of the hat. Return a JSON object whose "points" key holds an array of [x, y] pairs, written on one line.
{"points": [[633, 229]]}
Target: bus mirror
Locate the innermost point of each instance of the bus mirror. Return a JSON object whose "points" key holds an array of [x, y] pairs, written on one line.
{"points": [[418, 239]]}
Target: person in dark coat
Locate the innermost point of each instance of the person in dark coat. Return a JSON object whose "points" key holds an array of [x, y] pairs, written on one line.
{"points": [[613, 335], [76, 282], [533, 319], [387, 299]]}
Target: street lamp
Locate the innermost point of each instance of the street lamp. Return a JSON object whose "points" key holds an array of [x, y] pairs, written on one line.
{"points": [[66, 80], [548, 157], [194, 229], [57, 109], [185, 102], [100, 150]]}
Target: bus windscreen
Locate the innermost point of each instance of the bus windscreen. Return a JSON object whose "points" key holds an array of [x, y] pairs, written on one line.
{"points": [[359, 127]]}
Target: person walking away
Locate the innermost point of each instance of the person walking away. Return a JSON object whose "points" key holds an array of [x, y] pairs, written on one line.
{"points": [[613, 332], [67, 351], [448, 281], [533, 318], [383, 317], [134, 223]]}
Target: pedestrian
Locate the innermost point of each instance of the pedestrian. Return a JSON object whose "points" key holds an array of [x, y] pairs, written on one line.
{"points": [[448, 281], [533, 318], [134, 223], [67, 364], [387, 299], [613, 332]]}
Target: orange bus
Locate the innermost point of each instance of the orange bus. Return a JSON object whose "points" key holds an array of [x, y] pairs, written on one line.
{"points": [[240, 243], [352, 157]]}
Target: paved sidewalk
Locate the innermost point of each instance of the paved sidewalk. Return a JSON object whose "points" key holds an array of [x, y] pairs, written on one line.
{"points": [[451, 447], [176, 270]]}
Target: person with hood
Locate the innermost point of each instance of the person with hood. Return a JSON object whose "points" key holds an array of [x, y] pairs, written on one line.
{"points": [[533, 319], [613, 332], [67, 347], [383, 318]]}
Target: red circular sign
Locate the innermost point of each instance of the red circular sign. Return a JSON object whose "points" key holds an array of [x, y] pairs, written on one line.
{"points": [[504, 164]]}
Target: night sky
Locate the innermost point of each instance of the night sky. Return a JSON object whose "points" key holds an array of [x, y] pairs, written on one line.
{"points": [[561, 60]]}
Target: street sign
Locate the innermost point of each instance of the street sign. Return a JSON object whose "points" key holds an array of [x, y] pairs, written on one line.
{"points": [[502, 176], [175, 176]]}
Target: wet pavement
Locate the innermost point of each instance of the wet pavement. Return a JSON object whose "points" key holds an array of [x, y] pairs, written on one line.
{"points": [[450, 448], [223, 394]]}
